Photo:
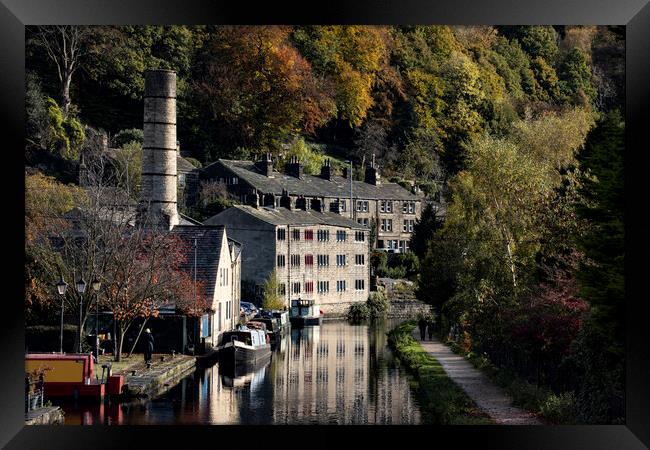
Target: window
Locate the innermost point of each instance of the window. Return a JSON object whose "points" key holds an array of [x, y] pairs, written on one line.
{"points": [[309, 260], [341, 235], [382, 206], [295, 288], [359, 285], [323, 287], [360, 260], [340, 286], [380, 243], [408, 207], [342, 205], [359, 236], [323, 235], [389, 206], [309, 235], [362, 205], [295, 260], [386, 225], [295, 235], [323, 260], [282, 261], [281, 234], [282, 289], [309, 287], [392, 244], [340, 260], [408, 226]]}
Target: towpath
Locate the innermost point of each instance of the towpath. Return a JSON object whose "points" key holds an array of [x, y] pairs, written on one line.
{"points": [[490, 398]]}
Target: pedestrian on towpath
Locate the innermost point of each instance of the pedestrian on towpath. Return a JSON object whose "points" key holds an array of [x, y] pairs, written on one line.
{"points": [[148, 345], [430, 325], [422, 324]]}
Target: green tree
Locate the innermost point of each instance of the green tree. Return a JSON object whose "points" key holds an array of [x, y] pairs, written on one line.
{"points": [[576, 78], [601, 343], [271, 299], [424, 229]]}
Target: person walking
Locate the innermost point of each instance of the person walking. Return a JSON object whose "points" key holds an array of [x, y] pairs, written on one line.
{"points": [[430, 325], [422, 324], [148, 346]]}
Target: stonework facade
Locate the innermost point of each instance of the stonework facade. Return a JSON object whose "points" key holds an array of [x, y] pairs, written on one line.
{"points": [[315, 255]]}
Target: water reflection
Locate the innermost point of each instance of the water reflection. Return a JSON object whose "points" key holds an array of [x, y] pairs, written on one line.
{"points": [[336, 373]]}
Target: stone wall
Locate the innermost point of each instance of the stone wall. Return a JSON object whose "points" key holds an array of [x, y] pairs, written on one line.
{"points": [[48, 415]]}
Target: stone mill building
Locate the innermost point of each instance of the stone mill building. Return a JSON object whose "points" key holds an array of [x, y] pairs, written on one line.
{"points": [[315, 254]]}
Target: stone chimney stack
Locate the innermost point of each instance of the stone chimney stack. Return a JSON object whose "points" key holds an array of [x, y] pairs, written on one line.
{"points": [[301, 203], [285, 200], [326, 170], [158, 197], [293, 168], [265, 165], [372, 173]]}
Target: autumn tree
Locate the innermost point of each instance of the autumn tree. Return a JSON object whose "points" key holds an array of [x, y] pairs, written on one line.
{"points": [[254, 84]]}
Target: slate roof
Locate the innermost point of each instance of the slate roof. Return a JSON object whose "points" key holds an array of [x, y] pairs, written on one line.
{"points": [[315, 186], [183, 165], [284, 216], [208, 249]]}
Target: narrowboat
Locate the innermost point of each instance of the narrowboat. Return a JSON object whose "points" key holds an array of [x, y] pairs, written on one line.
{"points": [[72, 375], [305, 312], [244, 347]]}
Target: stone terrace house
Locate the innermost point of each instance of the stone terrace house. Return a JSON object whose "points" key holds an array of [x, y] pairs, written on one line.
{"points": [[215, 261], [316, 255], [390, 207]]}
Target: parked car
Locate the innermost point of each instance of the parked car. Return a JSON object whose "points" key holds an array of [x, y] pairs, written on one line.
{"points": [[249, 308]]}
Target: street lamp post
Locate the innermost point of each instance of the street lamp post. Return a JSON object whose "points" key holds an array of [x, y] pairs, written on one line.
{"points": [[61, 286], [96, 285], [81, 288]]}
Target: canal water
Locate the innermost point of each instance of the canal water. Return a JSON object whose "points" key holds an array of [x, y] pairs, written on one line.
{"points": [[333, 374]]}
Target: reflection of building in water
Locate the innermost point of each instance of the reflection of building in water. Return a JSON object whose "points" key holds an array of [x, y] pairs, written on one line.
{"points": [[324, 377]]}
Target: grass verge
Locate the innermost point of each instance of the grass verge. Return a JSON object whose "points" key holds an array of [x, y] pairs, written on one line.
{"points": [[442, 401]]}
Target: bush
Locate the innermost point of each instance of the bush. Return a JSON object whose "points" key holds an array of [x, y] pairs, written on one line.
{"points": [[129, 135], [560, 409], [378, 305], [393, 272], [358, 312]]}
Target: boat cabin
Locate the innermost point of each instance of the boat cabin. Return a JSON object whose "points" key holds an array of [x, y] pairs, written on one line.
{"points": [[248, 336], [304, 308]]}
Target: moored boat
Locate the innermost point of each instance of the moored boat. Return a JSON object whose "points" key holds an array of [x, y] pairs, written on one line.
{"points": [[243, 347], [305, 312]]}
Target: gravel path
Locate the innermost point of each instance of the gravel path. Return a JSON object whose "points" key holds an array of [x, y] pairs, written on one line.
{"points": [[490, 398]]}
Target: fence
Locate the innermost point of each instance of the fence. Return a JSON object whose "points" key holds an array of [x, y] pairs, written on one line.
{"points": [[33, 399]]}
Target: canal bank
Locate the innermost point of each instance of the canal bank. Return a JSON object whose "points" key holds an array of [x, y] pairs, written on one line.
{"points": [[442, 401], [140, 380]]}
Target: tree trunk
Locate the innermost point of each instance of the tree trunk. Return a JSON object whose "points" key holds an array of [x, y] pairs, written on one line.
{"points": [[138, 337], [120, 342], [65, 92]]}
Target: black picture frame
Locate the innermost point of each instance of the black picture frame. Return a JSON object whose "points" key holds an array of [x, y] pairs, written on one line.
{"points": [[634, 14]]}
